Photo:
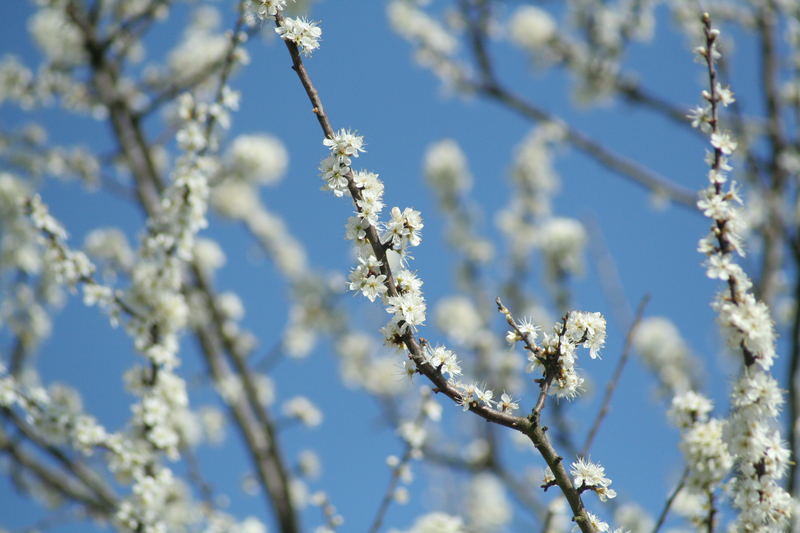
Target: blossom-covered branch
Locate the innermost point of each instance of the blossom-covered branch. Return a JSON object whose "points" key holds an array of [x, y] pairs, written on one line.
{"points": [[754, 442], [375, 278]]}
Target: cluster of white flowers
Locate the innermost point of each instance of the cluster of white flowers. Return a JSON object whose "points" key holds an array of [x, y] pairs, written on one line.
{"points": [[69, 267], [758, 451], [531, 28], [556, 354], [268, 8], [436, 523], [57, 36], [761, 454], [160, 416], [302, 409], [144, 510], [593, 53], [55, 412], [663, 349], [23, 309], [446, 168], [50, 84], [158, 273], [163, 407], [260, 159], [435, 45], [201, 48], [488, 508], [446, 171], [398, 288], [161, 311], [56, 415], [304, 33], [335, 169], [401, 232], [587, 475], [524, 221], [705, 452], [562, 241]]}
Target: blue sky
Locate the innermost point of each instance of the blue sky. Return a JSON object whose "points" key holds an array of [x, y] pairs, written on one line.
{"points": [[369, 82]]}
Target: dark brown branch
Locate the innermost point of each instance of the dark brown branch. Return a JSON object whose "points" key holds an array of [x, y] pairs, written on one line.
{"points": [[442, 385], [720, 226]]}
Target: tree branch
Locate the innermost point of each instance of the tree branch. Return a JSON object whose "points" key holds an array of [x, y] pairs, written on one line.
{"points": [[534, 432]]}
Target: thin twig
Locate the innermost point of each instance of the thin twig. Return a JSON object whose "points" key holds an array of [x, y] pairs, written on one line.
{"points": [[615, 162], [389, 494], [662, 517], [532, 430], [612, 385], [56, 480]]}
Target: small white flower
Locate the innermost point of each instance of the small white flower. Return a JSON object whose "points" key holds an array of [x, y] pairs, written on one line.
{"points": [[345, 143], [724, 142], [506, 404], [302, 32]]}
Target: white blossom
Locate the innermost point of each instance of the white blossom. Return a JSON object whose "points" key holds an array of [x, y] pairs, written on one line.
{"points": [[531, 27], [302, 32]]}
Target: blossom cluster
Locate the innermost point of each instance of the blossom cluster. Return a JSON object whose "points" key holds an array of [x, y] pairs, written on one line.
{"points": [[401, 294], [758, 452], [528, 221], [556, 353], [55, 412], [705, 452], [435, 44], [384, 278], [69, 267], [587, 475], [303, 33], [662, 348], [268, 8], [446, 171], [159, 417], [594, 54], [24, 308]]}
